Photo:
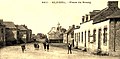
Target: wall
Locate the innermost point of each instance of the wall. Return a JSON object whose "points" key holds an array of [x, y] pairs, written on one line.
{"points": [[114, 35], [102, 25], [93, 45], [15, 34], [64, 38]]}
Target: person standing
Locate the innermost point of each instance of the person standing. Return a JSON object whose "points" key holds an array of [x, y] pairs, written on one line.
{"points": [[44, 45], [69, 48], [23, 47], [47, 44], [35, 44]]}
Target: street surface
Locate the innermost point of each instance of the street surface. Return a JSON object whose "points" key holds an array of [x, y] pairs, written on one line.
{"points": [[14, 52]]}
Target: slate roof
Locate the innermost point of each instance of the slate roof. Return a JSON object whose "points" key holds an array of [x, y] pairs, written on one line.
{"points": [[9, 24], [103, 14], [70, 29], [115, 15], [20, 27], [52, 30]]}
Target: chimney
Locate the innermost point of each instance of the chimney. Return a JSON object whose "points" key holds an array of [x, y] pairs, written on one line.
{"points": [[113, 4], [69, 26], [86, 17], [73, 26], [83, 18]]}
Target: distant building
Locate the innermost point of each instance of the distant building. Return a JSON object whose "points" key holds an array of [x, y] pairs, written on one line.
{"points": [[55, 35], [24, 34], [69, 35], [11, 33], [100, 31], [2, 34], [21, 34], [29, 34]]}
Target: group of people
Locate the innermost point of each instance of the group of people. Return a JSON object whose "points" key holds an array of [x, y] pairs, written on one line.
{"points": [[36, 45], [46, 46]]}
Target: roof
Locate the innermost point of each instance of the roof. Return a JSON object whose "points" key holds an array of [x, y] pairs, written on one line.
{"points": [[20, 27], [115, 15], [103, 14], [9, 24], [52, 30], [70, 29]]}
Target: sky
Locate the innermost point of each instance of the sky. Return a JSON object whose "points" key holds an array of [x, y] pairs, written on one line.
{"points": [[40, 17]]}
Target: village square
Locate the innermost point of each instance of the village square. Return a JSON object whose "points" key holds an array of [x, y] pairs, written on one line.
{"points": [[97, 36]]}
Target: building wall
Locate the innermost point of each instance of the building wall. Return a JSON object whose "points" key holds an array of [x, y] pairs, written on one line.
{"points": [[70, 38], [15, 34], [102, 26], [84, 28], [117, 40], [76, 42], [114, 35], [91, 44], [64, 38], [2, 36]]}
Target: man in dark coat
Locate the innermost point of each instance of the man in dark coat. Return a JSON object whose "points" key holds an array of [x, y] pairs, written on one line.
{"points": [[47, 44], [23, 47], [44, 44], [69, 48], [35, 45]]}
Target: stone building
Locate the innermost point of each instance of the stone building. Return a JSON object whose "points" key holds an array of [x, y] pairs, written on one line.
{"points": [[69, 34], [21, 34], [55, 35], [29, 34], [99, 30], [11, 33], [2, 34]]}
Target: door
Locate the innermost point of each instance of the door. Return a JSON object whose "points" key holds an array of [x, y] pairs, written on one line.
{"points": [[99, 38]]}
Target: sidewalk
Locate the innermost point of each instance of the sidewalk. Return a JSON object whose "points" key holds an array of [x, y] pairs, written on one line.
{"points": [[64, 46]]}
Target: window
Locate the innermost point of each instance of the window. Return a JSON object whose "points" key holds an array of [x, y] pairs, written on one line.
{"points": [[75, 36], [99, 34], [85, 36], [72, 35], [82, 38], [79, 37], [88, 36], [94, 35], [105, 36]]}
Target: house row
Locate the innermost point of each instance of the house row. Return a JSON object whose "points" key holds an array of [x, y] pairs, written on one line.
{"points": [[13, 34], [99, 31]]}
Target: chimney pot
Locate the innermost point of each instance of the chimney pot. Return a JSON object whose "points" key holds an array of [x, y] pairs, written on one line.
{"points": [[83, 18], [113, 4]]}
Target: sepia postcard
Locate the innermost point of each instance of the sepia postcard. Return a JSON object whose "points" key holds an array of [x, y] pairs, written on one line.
{"points": [[59, 29]]}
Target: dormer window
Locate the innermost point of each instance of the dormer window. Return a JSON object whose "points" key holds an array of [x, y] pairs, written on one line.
{"points": [[83, 18]]}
